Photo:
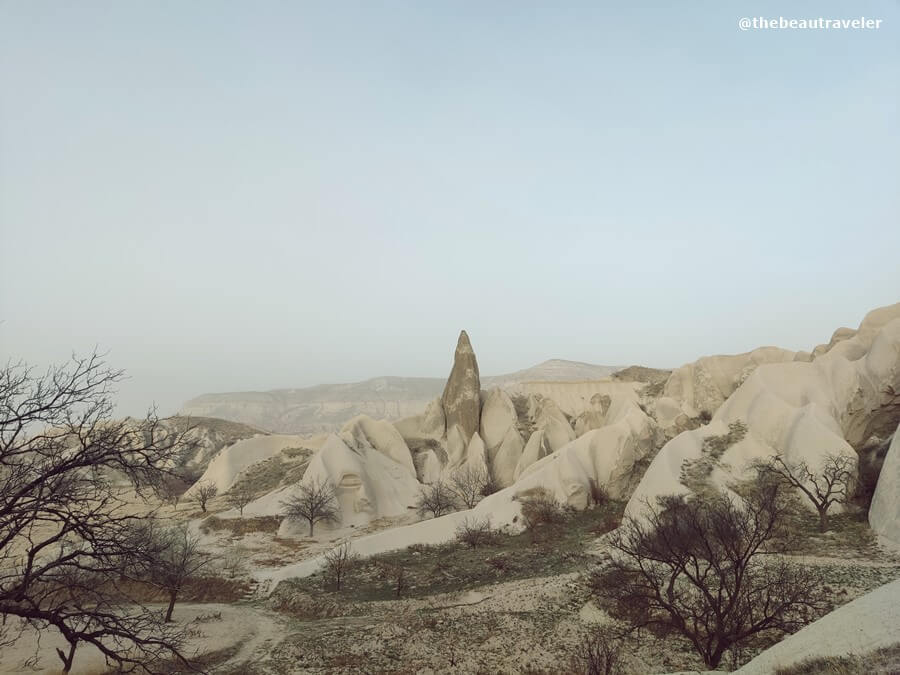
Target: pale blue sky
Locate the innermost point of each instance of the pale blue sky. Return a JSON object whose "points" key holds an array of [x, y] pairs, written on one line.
{"points": [[251, 195]]}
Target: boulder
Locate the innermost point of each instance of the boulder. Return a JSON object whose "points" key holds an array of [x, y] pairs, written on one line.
{"points": [[461, 399]]}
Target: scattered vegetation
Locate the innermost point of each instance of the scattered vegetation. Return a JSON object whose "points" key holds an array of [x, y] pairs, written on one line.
{"points": [[238, 527], [695, 473], [455, 566], [476, 532], [274, 472]]}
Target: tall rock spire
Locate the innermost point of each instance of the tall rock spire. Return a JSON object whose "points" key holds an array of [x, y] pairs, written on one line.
{"points": [[462, 394]]}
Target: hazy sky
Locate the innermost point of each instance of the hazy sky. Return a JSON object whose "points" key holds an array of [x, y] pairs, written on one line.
{"points": [[252, 195]]}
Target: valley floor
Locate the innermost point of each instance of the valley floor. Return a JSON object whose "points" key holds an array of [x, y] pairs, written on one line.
{"points": [[512, 606]]}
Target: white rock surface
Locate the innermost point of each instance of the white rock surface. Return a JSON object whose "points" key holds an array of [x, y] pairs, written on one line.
{"points": [[225, 467], [506, 457], [476, 455], [498, 414], [706, 383], [803, 411], [868, 623], [536, 448], [884, 513], [364, 432], [431, 424]]}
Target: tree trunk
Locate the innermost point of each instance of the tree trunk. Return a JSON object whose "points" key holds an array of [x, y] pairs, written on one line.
{"points": [[171, 607], [67, 659], [715, 657], [311, 523], [823, 520]]}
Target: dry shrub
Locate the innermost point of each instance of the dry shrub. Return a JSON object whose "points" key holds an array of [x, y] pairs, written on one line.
{"points": [[540, 509], [474, 532]]}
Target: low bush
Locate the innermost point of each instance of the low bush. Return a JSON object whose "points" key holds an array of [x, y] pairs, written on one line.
{"points": [[474, 532]]}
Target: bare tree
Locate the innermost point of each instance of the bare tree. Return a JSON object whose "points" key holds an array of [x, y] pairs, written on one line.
{"points": [[315, 502], [205, 492], [832, 485], [469, 482], [171, 488], [69, 475], [436, 499], [239, 496], [396, 574], [600, 653], [338, 562], [697, 567], [177, 558]]}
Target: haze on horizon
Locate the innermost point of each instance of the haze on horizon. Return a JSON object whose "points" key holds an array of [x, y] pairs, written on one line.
{"points": [[243, 196]]}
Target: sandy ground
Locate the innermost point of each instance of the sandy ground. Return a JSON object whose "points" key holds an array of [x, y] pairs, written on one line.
{"points": [[215, 626]]}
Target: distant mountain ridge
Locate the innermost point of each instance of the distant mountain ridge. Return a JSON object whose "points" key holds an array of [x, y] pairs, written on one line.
{"points": [[325, 407]]}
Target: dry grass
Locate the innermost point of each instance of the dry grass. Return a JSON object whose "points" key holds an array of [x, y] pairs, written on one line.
{"points": [[241, 526]]}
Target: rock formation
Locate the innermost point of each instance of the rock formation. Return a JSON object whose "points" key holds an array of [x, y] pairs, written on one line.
{"points": [[800, 410], [462, 394], [364, 432], [224, 468], [884, 513], [369, 485]]}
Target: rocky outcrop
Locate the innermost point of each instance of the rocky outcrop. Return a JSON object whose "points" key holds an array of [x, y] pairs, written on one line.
{"points": [[369, 485], [225, 467], [364, 432], [801, 410], [884, 513], [595, 417], [461, 399], [696, 390]]}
